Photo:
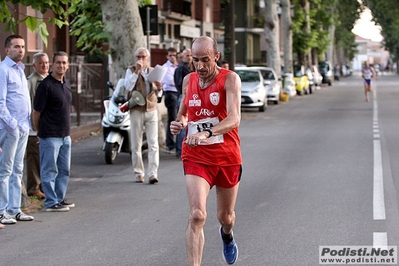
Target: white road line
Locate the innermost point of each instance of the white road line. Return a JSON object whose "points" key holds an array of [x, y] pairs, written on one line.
{"points": [[378, 186], [378, 183], [380, 239]]}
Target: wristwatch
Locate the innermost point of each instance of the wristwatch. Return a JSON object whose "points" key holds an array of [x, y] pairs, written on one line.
{"points": [[209, 130]]}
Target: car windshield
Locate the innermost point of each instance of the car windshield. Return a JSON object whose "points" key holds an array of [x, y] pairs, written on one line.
{"points": [[298, 71], [268, 75], [323, 67], [248, 76]]}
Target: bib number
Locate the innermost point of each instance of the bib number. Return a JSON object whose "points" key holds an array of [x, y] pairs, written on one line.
{"points": [[200, 125]]}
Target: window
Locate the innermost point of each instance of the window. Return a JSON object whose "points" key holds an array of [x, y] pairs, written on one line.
{"points": [[34, 42]]}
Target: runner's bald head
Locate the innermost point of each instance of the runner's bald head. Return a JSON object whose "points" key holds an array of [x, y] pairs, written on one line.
{"points": [[206, 40]]}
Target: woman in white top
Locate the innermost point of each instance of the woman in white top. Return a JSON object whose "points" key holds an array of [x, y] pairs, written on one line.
{"points": [[368, 75]]}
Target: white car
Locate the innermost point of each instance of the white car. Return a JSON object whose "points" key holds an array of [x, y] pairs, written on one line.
{"points": [[253, 90], [271, 82]]}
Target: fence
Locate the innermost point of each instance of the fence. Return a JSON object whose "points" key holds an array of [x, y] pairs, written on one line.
{"points": [[88, 86]]}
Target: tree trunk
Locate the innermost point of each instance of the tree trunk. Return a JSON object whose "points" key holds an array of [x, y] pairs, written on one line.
{"points": [[229, 35], [272, 35], [122, 21], [330, 49], [287, 31]]}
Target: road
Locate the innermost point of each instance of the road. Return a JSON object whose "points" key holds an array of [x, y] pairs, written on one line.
{"points": [[319, 170]]}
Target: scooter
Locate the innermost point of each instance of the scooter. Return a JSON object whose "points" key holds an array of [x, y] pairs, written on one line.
{"points": [[115, 124]]}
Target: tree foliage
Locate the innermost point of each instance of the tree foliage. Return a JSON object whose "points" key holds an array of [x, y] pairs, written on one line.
{"points": [[348, 12], [35, 24], [385, 13]]}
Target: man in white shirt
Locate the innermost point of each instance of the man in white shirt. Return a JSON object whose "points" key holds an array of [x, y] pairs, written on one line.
{"points": [[171, 95]]}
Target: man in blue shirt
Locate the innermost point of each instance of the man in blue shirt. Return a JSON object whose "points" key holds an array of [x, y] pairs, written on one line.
{"points": [[15, 110]]}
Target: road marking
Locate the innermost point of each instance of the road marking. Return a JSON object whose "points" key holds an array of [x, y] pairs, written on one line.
{"points": [[378, 183], [378, 186], [380, 239]]}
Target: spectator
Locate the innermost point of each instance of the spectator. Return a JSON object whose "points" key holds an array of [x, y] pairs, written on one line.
{"points": [[15, 110], [143, 117], [224, 64], [179, 56], [41, 68], [51, 118], [211, 154], [181, 71], [170, 99]]}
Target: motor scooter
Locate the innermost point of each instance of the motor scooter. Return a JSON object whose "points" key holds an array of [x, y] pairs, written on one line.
{"points": [[115, 124]]}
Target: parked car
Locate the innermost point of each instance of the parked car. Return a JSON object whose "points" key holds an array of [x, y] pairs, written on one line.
{"points": [[326, 70], [253, 90], [345, 71], [271, 82], [350, 70], [301, 80], [317, 77], [337, 72]]}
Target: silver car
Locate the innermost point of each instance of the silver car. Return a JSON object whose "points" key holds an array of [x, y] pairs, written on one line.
{"points": [[253, 90], [271, 82]]}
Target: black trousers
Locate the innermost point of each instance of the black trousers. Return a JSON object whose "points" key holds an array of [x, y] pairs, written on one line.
{"points": [[171, 105]]}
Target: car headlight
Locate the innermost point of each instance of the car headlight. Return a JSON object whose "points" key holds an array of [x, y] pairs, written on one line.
{"points": [[256, 90]]}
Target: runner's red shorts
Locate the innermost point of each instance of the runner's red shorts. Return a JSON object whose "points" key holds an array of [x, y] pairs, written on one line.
{"points": [[221, 176]]}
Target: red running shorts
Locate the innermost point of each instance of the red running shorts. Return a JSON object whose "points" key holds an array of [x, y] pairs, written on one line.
{"points": [[221, 176]]}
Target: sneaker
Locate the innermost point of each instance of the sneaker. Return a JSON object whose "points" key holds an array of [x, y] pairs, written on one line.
{"points": [[230, 250], [7, 219], [67, 204], [153, 179], [139, 179], [22, 217], [57, 208], [170, 151]]}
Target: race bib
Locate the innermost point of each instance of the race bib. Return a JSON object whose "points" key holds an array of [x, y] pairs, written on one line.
{"points": [[200, 125]]}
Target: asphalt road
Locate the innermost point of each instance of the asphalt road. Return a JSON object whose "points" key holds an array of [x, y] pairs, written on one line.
{"points": [[319, 170]]}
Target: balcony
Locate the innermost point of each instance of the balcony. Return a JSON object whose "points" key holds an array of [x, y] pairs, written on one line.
{"points": [[177, 9]]}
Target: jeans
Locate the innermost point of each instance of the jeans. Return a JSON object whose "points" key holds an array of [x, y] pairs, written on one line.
{"points": [[55, 165], [13, 144], [139, 121]]}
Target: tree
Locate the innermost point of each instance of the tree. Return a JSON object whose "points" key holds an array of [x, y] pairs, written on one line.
{"points": [[287, 33], [272, 35], [229, 35], [7, 17], [348, 12], [385, 13], [120, 21]]}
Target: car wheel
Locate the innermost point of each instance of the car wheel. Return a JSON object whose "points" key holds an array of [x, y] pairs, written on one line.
{"points": [[276, 102], [329, 83], [264, 106]]}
